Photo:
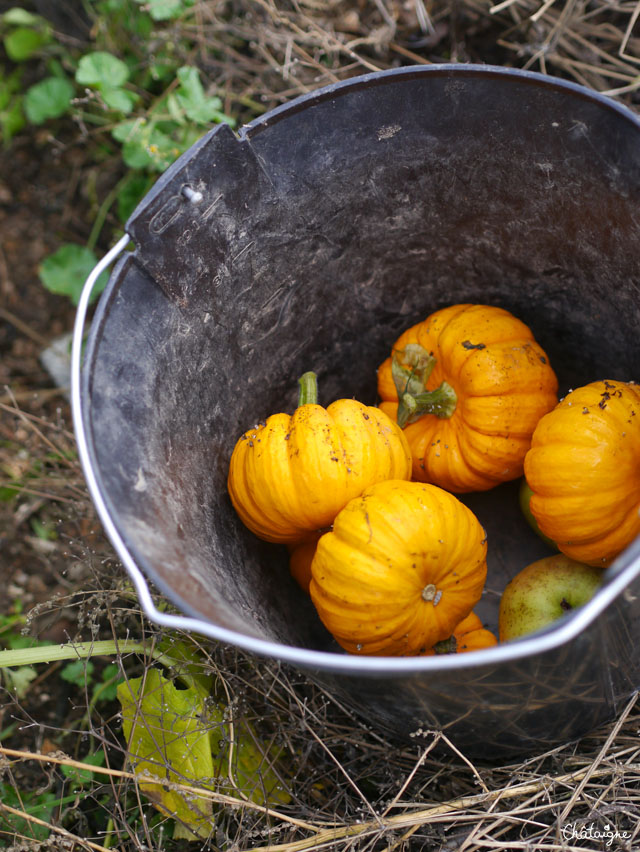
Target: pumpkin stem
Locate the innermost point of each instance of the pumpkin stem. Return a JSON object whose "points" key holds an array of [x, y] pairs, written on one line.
{"points": [[429, 592], [410, 369], [308, 389]]}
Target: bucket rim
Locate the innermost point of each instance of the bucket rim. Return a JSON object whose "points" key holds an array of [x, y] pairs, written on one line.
{"points": [[620, 574], [443, 69]]}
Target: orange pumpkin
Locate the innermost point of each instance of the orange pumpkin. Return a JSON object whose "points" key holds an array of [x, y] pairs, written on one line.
{"points": [[583, 469], [469, 635], [404, 564], [300, 557], [292, 474], [472, 384]]}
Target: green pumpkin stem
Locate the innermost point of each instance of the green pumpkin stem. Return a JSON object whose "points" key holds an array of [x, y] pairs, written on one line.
{"points": [[308, 389], [410, 369]]}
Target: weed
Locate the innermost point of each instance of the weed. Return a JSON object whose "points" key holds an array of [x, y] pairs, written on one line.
{"points": [[145, 108]]}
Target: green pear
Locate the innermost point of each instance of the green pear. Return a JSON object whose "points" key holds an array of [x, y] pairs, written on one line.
{"points": [[543, 592], [525, 498]]}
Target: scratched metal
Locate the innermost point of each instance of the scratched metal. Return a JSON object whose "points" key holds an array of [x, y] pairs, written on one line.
{"points": [[316, 236]]}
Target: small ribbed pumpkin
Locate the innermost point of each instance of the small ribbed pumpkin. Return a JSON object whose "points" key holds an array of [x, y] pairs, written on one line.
{"points": [[472, 383], [300, 558], [404, 564], [292, 474], [583, 469], [469, 635]]}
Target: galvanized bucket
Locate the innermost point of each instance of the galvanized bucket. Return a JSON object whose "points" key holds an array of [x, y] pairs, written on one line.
{"points": [[309, 241]]}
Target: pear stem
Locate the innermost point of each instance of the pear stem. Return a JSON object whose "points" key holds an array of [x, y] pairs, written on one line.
{"points": [[446, 646]]}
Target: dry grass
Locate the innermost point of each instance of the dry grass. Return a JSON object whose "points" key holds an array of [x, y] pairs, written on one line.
{"points": [[350, 788], [295, 47]]}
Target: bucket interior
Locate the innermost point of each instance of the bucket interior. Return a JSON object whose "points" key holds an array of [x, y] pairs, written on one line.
{"points": [[325, 230]]}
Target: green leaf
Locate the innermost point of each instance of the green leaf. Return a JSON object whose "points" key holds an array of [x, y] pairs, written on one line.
{"points": [[77, 672], [253, 766], [50, 98], [101, 70], [82, 777], [11, 113], [168, 740], [165, 10], [107, 689], [18, 680], [44, 530], [11, 120], [18, 641], [119, 99], [187, 665], [66, 270], [8, 492], [127, 130], [18, 17], [197, 105], [145, 146], [23, 43], [9, 84], [38, 805]]}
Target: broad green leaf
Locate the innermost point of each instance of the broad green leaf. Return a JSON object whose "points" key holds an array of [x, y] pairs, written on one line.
{"points": [[18, 17], [136, 155], [154, 149], [175, 109], [23, 43], [19, 679], [50, 98], [167, 737], [37, 805], [66, 270], [77, 672], [102, 70], [197, 105], [181, 735], [187, 665], [145, 146], [18, 641], [127, 130], [165, 10], [190, 84], [107, 689], [253, 766], [119, 99]]}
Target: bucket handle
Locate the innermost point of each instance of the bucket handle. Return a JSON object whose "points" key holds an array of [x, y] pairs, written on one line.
{"points": [[175, 622]]}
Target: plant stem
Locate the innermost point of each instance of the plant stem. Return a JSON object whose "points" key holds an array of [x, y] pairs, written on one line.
{"points": [[441, 402], [104, 208], [51, 653], [308, 393], [411, 369]]}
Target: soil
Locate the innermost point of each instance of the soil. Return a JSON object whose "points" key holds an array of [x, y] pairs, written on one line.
{"points": [[41, 206]]}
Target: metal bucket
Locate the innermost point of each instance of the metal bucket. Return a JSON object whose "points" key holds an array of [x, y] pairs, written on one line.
{"points": [[309, 241]]}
